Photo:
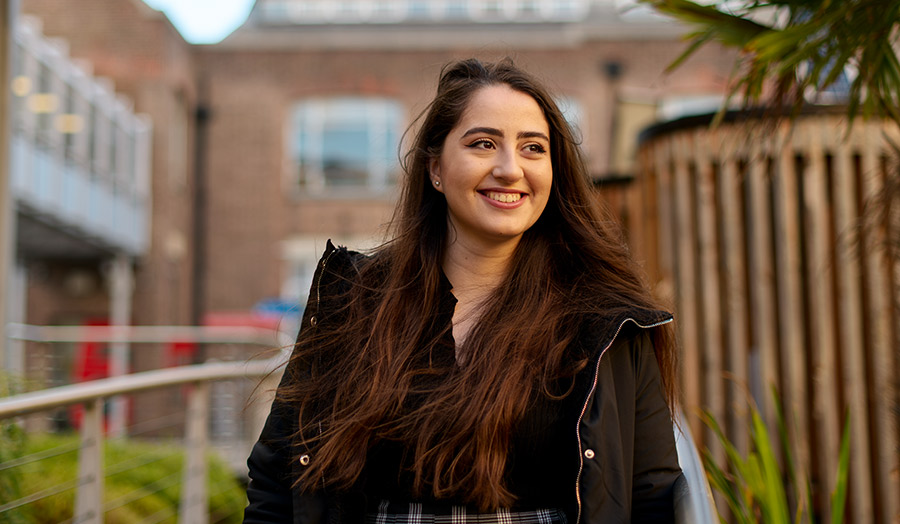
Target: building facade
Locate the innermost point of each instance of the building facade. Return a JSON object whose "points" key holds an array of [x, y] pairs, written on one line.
{"points": [[309, 102], [290, 131]]}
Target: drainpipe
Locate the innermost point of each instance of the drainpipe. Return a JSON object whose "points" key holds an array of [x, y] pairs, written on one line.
{"points": [[198, 276]]}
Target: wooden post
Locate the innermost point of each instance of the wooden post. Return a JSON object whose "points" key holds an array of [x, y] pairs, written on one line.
{"points": [[686, 285], [826, 411], [194, 507], [790, 302], [735, 318], [883, 359], [89, 494], [711, 336], [846, 216], [649, 234], [762, 279], [665, 219]]}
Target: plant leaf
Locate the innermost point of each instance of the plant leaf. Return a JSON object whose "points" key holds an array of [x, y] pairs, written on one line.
{"points": [[839, 497]]}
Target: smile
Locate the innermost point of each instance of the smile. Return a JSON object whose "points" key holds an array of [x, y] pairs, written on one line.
{"points": [[506, 198]]}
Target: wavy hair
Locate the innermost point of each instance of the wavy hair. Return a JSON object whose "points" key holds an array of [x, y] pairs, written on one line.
{"points": [[364, 375]]}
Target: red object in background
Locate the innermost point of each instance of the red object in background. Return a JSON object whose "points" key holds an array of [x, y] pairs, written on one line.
{"points": [[90, 362], [91, 358], [180, 354]]}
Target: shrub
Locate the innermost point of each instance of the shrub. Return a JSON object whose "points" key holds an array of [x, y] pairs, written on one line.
{"points": [[755, 487], [143, 481]]}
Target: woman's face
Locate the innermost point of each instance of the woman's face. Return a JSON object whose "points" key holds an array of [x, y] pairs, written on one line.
{"points": [[495, 169]]}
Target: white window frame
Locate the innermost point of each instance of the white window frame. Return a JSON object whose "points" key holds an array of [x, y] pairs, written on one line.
{"points": [[308, 118]]}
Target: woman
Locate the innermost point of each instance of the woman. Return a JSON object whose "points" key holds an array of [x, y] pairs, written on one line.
{"points": [[499, 360]]}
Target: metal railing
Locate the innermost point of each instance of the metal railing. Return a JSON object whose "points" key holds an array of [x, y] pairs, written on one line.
{"points": [[693, 502], [200, 378]]}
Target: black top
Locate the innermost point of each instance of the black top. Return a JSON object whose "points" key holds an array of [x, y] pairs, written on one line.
{"points": [[541, 465]]}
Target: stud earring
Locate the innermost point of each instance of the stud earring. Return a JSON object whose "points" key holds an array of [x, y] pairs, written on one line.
{"points": [[437, 183]]}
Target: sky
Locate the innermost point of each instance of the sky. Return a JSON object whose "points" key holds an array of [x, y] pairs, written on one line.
{"points": [[204, 21]]}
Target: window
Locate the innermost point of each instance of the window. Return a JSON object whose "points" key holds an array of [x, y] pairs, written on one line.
{"points": [[419, 9], [387, 10], [305, 11], [457, 9], [44, 103], [345, 143], [71, 124], [92, 138], [569, 9], [529, 9], [489, 9]]}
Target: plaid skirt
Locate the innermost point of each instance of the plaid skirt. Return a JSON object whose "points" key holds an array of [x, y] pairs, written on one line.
{"points": [[416, 513]]}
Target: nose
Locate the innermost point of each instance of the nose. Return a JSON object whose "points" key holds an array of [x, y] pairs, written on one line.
{"points": [[507, 167]]}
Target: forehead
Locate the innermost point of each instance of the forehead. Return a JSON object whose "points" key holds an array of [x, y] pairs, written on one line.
{"points": [[501, 106]]}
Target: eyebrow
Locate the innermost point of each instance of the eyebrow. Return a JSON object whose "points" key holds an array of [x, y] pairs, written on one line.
{"points": [[498, 133]]}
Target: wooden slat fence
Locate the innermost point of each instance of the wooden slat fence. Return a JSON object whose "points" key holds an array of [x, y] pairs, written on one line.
{"points": [[773, 242]]}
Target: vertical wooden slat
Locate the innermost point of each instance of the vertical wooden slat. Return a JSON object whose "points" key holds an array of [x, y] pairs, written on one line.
{"points": [[732, 252], [886, 469], [849, 309], [685, 286], [665, 268], [762, 280], [711, 335], [790, 304], [644, 217], [649, 233], [822, 346]]}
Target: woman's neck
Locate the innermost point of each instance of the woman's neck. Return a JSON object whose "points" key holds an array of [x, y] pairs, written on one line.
{"points": [[475, 272], [477, 268]]}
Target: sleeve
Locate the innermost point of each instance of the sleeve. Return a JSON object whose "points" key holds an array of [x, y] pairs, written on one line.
{"points": [[655, 458], [269, 490], [271, 474]]}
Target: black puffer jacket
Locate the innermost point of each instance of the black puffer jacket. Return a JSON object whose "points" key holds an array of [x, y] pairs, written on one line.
{"points": [[625, 437]]}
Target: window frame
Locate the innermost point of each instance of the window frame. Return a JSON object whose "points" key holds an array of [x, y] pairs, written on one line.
{"points": [[382, 171]]}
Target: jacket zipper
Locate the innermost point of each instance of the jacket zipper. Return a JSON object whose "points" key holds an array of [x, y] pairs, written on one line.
{"points": [[587, 401], [315, 320]]}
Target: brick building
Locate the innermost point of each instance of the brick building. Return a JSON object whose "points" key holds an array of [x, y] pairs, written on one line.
{"points": [[302, 87], [287, 133]]}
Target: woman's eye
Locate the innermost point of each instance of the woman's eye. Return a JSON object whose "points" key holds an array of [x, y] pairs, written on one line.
{"points": [[535, 148], [482, 144]]}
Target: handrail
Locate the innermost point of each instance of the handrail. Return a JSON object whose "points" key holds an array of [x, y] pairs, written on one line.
{"points": [[84, 391], [88, 507], [150, 334]]}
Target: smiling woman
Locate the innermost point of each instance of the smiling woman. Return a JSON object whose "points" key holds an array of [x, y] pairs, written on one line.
{"points": [[499, 360], [494, 169]]}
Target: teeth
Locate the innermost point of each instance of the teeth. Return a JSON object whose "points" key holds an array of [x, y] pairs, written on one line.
{"points": [[504, 197]]}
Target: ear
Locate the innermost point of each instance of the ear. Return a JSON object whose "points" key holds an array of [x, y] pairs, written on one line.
{"points": [[434, 173]]}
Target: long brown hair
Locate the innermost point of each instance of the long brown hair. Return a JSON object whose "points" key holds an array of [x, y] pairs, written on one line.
{"points": [[366, 374]]}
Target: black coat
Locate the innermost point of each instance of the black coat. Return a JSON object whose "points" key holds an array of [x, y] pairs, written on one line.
{"points": [[628, 462]]}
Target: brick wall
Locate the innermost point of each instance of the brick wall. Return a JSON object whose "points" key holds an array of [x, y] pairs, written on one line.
{"points": [[253, 203]]}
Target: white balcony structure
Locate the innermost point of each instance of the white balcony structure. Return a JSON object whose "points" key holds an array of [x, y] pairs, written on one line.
{"points": [[80, 156]]}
